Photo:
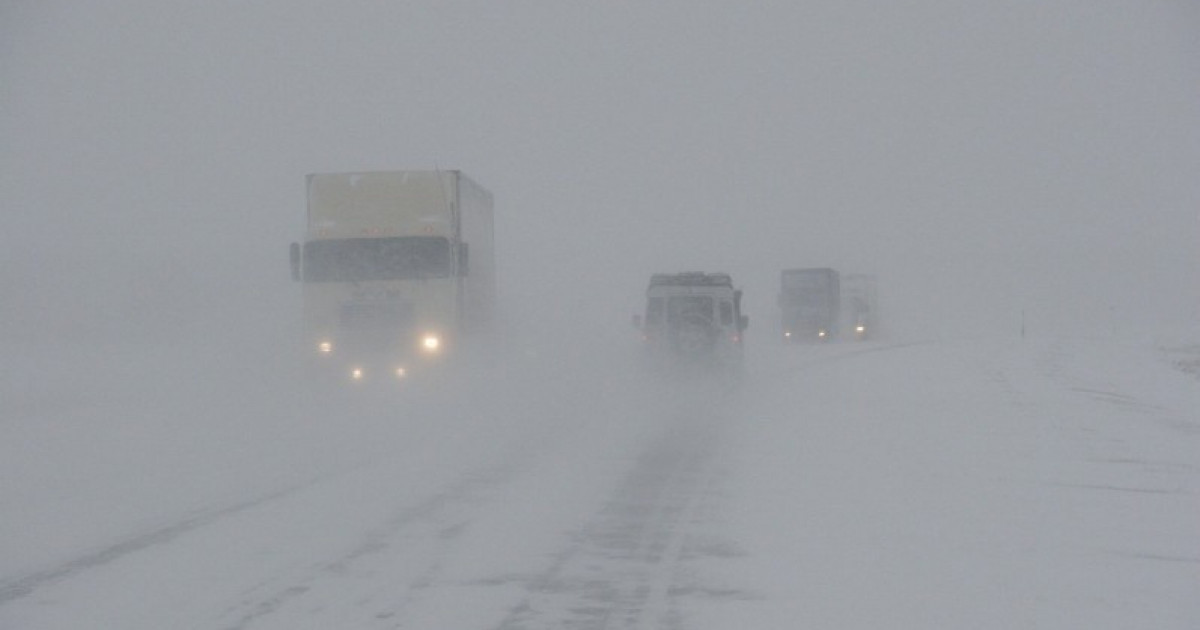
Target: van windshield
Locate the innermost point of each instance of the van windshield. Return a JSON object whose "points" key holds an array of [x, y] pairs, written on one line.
{"points": [[363, 259]]}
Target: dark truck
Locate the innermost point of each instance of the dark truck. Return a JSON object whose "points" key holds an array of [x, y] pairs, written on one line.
{"points": [[809, 301]]}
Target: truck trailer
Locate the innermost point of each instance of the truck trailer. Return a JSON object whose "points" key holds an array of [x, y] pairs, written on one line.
{"points": [[397, 268], [860, 305]]}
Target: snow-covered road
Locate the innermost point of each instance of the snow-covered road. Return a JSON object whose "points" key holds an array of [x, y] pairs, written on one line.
{"points": [[983, 483]]}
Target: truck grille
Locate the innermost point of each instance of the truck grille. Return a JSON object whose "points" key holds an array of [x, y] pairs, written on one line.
{"points": [[375, 315]]}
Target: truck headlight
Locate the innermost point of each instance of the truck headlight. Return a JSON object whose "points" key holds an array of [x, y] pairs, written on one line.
{"points": [[325, 347], [357, 373], [431, 343]]}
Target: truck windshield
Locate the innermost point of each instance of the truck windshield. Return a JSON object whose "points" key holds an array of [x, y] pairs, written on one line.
{"points": [[809, 295], [362, 259]]}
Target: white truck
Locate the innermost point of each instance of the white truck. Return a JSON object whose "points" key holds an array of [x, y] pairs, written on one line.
{"points": [[396, 267], [693, 319]]}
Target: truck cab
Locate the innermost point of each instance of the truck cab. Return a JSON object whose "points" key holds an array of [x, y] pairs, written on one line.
{"points": [[693, 318], [396, 269], [809, 305]]}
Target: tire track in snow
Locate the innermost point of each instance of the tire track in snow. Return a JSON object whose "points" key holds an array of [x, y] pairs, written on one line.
{"points": [[461, 492], [18, 588], [623, 568]]}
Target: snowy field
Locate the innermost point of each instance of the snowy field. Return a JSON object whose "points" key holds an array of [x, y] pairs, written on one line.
{"points": [[971, 483], [1006, 170]]}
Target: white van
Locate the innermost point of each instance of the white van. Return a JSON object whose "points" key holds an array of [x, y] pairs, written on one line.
{"points": [[693, 318]]}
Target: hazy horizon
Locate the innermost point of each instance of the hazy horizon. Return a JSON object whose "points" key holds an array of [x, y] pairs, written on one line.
{"points": [[981, 159]]}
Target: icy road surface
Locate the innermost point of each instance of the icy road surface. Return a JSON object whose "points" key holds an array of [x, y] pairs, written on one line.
{"points": [[984, 483]]}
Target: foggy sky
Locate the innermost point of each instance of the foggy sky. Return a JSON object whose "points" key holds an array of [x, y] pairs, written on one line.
{"points": [[981, 158]]}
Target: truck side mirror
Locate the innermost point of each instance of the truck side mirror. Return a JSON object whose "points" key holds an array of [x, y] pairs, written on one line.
{"points": [[637, 321], [295, 252], [743, 322], [463, 260]]}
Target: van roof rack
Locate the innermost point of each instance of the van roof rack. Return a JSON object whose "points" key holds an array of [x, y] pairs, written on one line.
{"points": [[692, 279]]}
